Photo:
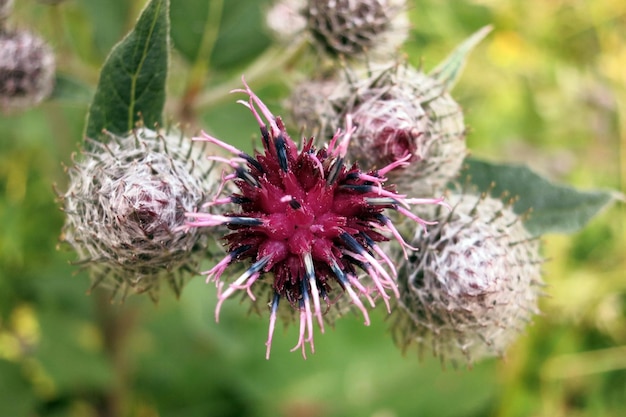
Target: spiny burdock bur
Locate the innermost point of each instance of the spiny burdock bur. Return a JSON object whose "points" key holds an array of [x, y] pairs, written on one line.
{"points": [[351, 28], [306, 224], [126, 203], [346, 28], [401, 114], [27, 68], [471, 284]]}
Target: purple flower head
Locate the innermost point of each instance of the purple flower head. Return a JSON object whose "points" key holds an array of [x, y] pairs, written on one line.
{"points": [[307, 223]]}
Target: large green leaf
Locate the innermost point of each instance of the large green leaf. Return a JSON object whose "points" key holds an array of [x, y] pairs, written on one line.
{"points": [[553, 208], [132, 80], [241, 36]]}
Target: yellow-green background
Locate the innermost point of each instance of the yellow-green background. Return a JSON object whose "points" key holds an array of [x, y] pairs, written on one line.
{"points": [[547, 88]]}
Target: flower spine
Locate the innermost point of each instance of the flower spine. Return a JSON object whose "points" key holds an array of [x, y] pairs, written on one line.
{"points": [[472, 284], [306, 223], [125, 206]]}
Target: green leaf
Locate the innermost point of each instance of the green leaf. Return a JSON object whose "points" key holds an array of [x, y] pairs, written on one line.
{"points": [[553, 208], [241, 35], [449, 71], [132, 80]]}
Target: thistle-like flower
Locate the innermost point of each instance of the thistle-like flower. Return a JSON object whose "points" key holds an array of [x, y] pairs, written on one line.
{"points": [[472, 284], [352, 28], [27, 67], [400, 113], [307, 223], [125, 206]]}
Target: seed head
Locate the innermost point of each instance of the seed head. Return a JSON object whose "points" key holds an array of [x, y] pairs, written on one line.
{"points": [[125, 206], [472, 284], [26, 70], [400, 113], [306, 224], [353, 27]]}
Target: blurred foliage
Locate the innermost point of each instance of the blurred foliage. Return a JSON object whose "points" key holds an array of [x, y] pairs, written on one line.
{"points": [[546, 88]]}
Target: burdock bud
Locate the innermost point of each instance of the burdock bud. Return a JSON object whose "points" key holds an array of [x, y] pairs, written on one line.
{"points": [[353, 27], [312, 109], [402, 116], [471, 286], [26, 70], [125, 206]]}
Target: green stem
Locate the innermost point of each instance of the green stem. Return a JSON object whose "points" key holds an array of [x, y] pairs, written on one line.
{"points": [[116, 323], [200, 68]]}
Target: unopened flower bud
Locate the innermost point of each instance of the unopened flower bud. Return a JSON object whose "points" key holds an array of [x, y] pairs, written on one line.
{"points": [[471, 286], [354, 27], [126, 204], [26, 70], [402, 115], [312, 109]]}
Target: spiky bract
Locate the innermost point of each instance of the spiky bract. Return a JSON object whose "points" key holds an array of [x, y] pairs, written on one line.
{"points": [[306, 224], [471, 286], [126, 204]]}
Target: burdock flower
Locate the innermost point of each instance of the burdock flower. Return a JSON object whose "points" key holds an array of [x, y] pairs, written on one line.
{"points": [[400, 113], [354, 27], [125, 206], [307, 223], [27, 69], [471, 286]]}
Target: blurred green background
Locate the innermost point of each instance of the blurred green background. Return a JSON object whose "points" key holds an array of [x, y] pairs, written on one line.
{"points": [[546, 88]]}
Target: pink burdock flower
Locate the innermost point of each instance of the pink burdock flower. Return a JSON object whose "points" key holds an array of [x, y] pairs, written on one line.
{"points": [[307, 223]]}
